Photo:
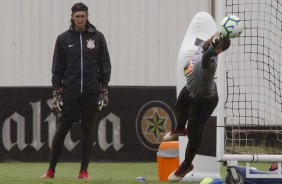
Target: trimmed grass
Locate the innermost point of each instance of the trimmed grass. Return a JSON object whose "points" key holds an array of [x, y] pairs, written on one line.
{"points": [[66, 173], [105, 173]]}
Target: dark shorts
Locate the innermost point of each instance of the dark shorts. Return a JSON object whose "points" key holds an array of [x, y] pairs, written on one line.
{"points": [[79, 106], [195, 111]]}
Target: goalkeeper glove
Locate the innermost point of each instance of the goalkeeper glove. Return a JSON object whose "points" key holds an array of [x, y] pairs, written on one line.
{"points": [[216, 39], [58, 101], [103, 98]]}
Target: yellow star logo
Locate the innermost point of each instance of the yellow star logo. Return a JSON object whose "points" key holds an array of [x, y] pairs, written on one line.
{"points": [[156, 125]]}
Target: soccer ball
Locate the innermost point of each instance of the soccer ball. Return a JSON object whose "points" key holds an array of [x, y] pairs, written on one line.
{"points": [[231, 26]]}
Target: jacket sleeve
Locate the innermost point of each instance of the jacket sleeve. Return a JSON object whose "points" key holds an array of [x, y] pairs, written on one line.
{"points": [[209, 52], [104, 63], [206, 59], [58, 65]]}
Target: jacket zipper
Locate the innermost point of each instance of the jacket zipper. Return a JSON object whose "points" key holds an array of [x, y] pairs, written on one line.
{"points": [[81, 63]]}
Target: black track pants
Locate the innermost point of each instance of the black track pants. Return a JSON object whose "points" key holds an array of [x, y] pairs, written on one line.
{"points": [[77, 107], [196, 112]]}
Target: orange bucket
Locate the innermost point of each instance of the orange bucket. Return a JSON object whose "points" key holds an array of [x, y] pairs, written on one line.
{"points": [[168, 159]]}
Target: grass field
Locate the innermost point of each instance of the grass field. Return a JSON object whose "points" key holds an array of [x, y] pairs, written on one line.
{"points": [[66, 173]]}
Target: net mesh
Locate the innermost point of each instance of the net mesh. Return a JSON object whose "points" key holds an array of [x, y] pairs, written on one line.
{"points": [[253, 105]]}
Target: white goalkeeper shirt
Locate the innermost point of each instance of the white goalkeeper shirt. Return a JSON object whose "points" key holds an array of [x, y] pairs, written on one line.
{"points": [[200, 80]]}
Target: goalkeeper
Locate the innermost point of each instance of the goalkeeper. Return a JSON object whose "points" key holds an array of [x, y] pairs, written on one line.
{"points": [[81, 72], [197, 99]]}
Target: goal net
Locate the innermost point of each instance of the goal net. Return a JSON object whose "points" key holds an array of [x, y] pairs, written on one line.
{"points": [[250, 112]]}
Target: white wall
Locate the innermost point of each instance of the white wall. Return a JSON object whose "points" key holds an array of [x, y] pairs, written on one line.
{"points": [[143, 36]]}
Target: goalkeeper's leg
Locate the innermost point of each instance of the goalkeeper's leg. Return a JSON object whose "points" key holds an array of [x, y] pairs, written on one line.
{"points": [[181, 110], [199, 113], [88, 114], [58, 142], [57, 146]]}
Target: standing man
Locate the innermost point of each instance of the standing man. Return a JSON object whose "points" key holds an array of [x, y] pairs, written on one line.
{"points": [[81, 73], [197, 99]]}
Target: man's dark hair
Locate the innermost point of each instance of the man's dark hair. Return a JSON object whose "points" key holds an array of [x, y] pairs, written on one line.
{"points": [[79, 7], [225, 43]]}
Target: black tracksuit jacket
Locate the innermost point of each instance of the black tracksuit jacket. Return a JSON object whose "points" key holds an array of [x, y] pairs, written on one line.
{"points": [[81, 61]]}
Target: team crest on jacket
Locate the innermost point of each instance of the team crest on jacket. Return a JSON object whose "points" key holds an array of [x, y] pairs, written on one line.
{"points": [[90, 44]]}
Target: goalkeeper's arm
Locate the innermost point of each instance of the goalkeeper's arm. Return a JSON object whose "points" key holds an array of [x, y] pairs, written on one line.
{"points": [[209, 47]]}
